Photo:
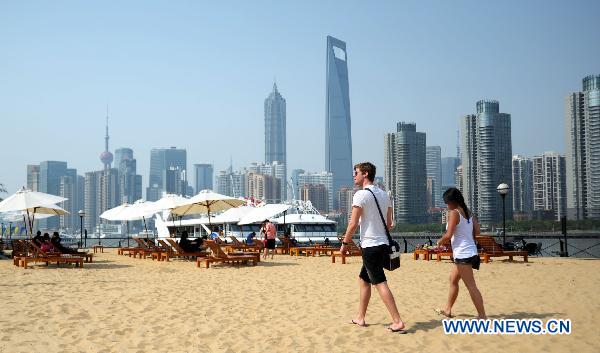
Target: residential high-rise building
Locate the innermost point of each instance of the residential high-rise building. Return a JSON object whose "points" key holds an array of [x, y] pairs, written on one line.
{"points": [[92, 183], [163, 160], [434, 171], [322, 178], [405, 172], [275, 169], [275, 129], [263, 187], [449, 165], [345, 196], [317, 194], [549, 184], [338, 136], [204, 177], [231, 183], [583, 150], [522, 184], [487, 161], [294, 181], [458, 176]]}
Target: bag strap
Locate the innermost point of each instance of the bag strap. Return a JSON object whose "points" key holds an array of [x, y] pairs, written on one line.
{"points": [[387, 231]]}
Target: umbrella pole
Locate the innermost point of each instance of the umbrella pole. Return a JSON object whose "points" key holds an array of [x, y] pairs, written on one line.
{"points": [[127, 233], [146, 228]]}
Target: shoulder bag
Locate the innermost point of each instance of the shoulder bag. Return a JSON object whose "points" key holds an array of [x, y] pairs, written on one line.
{"points": [[391, 259]]}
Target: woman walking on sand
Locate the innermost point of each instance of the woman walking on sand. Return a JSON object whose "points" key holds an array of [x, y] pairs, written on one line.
{"points": [[461, 230]]}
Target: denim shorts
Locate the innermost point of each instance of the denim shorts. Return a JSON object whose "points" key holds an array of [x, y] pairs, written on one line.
{"points": [[372, 268], [474, 261]]}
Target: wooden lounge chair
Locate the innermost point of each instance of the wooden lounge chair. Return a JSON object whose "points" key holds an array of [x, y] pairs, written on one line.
{"points": [[37, 255], [448, 252], [241, 246], [490, 248], [353, 250], [179, 252], [218, 255]]}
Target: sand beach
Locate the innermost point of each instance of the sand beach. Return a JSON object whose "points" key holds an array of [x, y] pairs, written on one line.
{"points": [[289, 304]]}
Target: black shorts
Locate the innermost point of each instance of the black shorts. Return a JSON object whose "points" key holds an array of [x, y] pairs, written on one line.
{"points": [[270, 244], [474, 261], [372, 268]]}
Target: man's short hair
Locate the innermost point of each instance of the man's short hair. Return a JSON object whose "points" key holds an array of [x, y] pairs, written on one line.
{"points": [[367, 167]]}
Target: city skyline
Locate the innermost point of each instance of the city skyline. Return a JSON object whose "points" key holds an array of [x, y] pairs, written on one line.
{"points": [[174, 99]]}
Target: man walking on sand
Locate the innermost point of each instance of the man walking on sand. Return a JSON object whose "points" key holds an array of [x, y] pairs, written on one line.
{"points": [[373, 242]]}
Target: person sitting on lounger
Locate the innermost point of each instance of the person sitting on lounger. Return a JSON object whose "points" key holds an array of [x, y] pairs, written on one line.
{"points": [[38, 240], [250, 238], [326, 242], [55, 240], [189, 245], [46, 244]]}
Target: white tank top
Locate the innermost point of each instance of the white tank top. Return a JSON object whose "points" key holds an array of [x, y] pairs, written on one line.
{"points": [[463, 245]]}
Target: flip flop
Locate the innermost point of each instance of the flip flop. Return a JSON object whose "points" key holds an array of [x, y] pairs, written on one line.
{"points": [[442, 312], [400, 331], [356, 323]]}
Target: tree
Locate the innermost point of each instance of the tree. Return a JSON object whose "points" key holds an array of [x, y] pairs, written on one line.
{"points": [[2, 190]]}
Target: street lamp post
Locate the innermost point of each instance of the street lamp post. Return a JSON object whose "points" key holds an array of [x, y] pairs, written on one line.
{"points": [[503, 190], [81, 215]]}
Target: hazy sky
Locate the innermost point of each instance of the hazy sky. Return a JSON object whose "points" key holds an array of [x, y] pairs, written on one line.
{"points": [[195, 75]]}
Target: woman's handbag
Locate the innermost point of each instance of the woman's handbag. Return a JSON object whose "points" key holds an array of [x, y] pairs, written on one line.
{"points": [[391, 260]]}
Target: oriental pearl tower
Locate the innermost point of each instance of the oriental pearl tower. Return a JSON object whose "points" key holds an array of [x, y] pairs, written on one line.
{"points": [[106, 157]]}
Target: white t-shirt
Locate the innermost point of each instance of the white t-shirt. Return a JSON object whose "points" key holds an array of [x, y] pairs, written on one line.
{"points": [[372, 230]]}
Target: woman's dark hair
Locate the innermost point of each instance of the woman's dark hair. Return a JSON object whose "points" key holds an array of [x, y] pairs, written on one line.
{"points": [[454, 195]]}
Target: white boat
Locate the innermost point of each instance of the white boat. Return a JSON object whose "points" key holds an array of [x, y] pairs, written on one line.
{"points": [[299, 218]]}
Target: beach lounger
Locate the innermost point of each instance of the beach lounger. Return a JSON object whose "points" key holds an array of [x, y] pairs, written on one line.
{"points": [[353, 250], [490, 248], [218, 255], [179, 252]]}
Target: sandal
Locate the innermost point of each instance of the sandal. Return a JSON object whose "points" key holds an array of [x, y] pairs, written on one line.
{"points": [[358, 324], [400, 331], [442, 312]]}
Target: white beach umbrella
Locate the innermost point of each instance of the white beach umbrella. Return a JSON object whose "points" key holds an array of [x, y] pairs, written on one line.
{"points": [[207, 201], [259, 214], [31, 202], [169, 202], [26, 199], [139, 210], [115, 213]]}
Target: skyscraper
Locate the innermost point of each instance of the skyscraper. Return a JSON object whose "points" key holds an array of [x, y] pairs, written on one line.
{"points": [[275, 129], [130, 183], [434, 171], [487, 160], [33, 176], [49, 182], [449, 165], [405, 172], [204, 177], [583, 150], [161, 161], [522, 184], [338, 136], [549, 184]]}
